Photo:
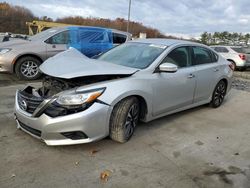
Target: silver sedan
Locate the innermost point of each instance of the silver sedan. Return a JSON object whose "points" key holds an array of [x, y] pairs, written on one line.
{"points": [[83, 100]]}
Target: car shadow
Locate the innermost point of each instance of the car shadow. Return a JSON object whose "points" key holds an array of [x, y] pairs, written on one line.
{"points": [[142, 130]]}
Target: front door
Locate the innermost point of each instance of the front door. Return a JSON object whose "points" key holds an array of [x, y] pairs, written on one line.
{"points": [[57, 43], [174, 90]]}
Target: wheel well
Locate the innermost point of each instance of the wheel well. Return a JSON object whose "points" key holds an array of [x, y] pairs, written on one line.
{"points": [[25, 55], [231, 60], [225, 80], [143, 106], [142, 103]]}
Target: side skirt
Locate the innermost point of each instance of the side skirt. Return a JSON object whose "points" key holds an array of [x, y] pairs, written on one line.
{"points": [[178, 110]]}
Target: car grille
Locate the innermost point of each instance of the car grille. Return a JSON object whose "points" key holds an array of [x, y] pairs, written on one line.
{"points": [[28, 102], [30, 129]]}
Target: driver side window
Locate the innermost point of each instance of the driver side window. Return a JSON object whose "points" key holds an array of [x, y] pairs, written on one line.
{"points": [[179, 57], [59, 38]]}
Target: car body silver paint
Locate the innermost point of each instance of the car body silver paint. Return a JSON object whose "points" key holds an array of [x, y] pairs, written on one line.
{"points": [[72, 64], [164, 93]]}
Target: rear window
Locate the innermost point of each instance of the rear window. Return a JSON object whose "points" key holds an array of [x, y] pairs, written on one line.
{"points": [[221, 49], [239, 50]]}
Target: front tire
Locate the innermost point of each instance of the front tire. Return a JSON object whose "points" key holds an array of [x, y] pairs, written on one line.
{"points": [[124, 119], [219, 94], [27, 68]]}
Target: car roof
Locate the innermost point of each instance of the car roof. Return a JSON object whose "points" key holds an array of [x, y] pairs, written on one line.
{"points": [[166, 42], [226, 46], [62, 28]]}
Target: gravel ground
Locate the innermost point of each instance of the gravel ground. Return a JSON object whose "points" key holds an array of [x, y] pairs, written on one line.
{"points": [[241, 84]]}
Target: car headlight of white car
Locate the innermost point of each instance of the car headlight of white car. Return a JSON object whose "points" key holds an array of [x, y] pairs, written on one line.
{"points": [[79, 98], [4, 50]]}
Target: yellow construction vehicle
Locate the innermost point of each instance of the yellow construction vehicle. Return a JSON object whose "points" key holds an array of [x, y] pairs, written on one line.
{"points": [[39, 26]]}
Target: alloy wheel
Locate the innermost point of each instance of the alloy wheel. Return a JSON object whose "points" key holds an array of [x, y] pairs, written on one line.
{"points": [[29, 69], [131, 120], [219, 93]]}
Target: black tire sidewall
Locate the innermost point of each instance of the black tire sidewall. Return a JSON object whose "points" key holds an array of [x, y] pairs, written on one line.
{"points": [[19, 64], [118, 118], [134, 102], [213, 101]]}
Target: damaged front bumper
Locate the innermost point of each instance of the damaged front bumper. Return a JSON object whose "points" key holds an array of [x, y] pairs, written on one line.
{"points": [[82, 127]]}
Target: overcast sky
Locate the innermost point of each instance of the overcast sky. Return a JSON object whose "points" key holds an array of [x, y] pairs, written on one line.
{"points": [[179, 18]]}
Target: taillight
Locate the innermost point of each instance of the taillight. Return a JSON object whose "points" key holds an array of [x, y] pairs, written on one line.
{"points": [[242, 56], [232, 66]]}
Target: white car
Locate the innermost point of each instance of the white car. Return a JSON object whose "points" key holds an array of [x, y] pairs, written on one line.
{"points": [[234, 54]]}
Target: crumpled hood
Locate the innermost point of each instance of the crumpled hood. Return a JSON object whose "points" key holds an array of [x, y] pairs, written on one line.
{"points": [[13, 43], [72, 64]]}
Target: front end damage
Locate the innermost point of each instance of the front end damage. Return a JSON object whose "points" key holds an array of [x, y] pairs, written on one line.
{"points": [[40, 113]]}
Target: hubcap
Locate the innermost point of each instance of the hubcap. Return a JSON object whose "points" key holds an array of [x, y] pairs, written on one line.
{"points": [[219, 94], [131, 120], [29, 69]]}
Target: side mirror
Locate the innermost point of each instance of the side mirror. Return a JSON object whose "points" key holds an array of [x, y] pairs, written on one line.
{"points": [[168, 67]]}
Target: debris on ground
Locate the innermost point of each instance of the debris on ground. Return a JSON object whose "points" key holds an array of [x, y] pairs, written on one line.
{"points": [[93, 152], [199, 143], [104, 176]]}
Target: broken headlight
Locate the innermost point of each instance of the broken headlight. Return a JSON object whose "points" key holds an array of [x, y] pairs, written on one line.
{"points": [[79, 98]]}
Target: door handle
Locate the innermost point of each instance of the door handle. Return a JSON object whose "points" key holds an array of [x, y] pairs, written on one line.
{"points": [[53, 46], [191, 76], [216, 69]]}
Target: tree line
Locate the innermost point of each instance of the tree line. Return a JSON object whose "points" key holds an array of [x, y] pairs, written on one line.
{"points": [[13, 19], [225, 38]]}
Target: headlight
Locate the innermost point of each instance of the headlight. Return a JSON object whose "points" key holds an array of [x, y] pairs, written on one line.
{"points": [[4, 50], [79, 98]]}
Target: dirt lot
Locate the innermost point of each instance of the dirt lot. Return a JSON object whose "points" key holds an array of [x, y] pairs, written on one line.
{"points": [[201, 147]]}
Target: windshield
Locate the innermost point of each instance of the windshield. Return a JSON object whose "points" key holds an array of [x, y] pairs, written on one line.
{"points": [[44, 34], [133, 54]]}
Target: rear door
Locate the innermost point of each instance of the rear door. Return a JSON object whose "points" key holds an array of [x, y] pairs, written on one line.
{"points": [[206, 72], [57, 43]]}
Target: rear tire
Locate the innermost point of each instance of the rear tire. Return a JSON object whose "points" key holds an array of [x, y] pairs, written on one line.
{"points": [[218, 94], [124, 118], [27, 68]]}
